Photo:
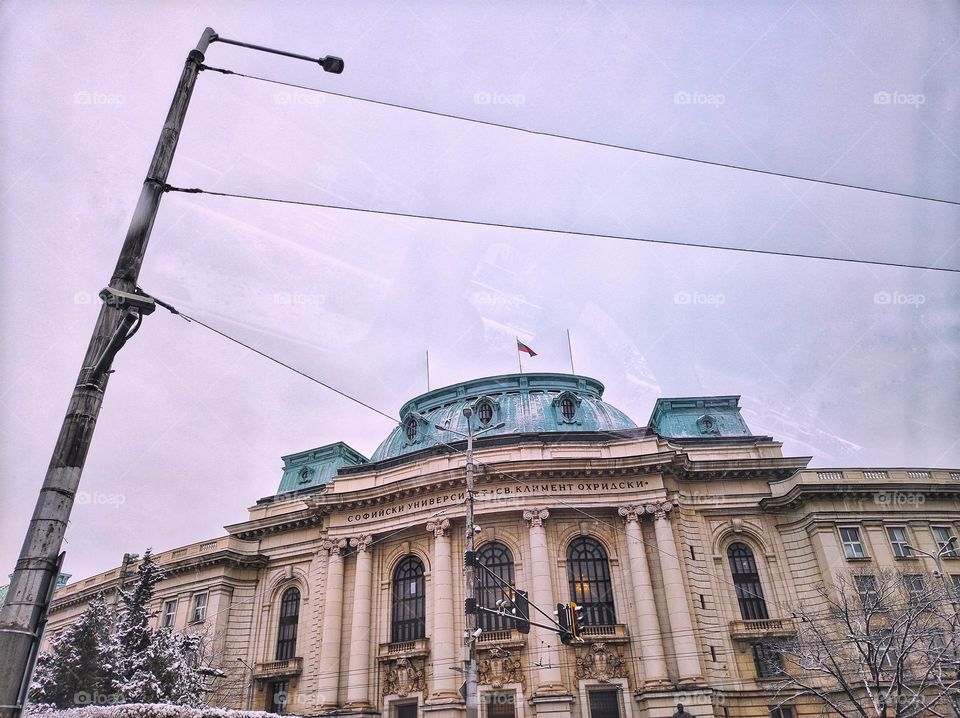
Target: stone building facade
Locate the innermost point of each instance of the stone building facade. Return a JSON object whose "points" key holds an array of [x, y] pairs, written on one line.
{"points": [[688, 541]]}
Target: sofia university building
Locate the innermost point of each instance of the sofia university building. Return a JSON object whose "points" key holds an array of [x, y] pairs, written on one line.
{"points": [[687, 541]]}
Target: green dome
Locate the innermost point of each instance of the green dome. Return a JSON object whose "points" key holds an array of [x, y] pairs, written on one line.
{"points": [[524, 403]]}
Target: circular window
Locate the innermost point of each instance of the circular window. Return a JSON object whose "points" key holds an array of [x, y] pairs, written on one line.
{"points": [[567, 408], [411, 428], [485, 413], [304, 473]]}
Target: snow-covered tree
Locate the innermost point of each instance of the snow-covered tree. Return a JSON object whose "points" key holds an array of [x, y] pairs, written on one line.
{"points": [[878, 645], [115, 657], [81, 661]]}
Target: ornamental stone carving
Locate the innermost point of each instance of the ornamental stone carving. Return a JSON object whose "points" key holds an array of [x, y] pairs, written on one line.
{"points": [[438, 528], [600, 663], [334, 546], [402, 677], [498, 667], [536, 517], [630, 513], [361, 543]]}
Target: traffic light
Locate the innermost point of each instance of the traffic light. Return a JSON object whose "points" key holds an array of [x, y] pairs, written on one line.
{"points": [[576, 619], [521, 609], [563, 618]]}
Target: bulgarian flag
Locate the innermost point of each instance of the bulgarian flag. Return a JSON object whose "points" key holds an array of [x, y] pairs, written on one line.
{"points": [[521, 347]]}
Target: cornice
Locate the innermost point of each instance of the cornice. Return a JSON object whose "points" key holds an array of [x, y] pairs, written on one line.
{"points": [[683, 467], [800, 493], [258, 528]]}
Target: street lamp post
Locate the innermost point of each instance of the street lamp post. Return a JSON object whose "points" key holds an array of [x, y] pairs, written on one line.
{"points": [[35, 574], [470, 631]]}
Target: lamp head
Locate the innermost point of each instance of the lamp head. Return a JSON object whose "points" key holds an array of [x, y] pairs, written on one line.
{"points": [[332, 64]]}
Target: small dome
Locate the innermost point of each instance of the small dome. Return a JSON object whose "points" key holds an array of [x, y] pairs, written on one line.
{"points": [[524, 403]]}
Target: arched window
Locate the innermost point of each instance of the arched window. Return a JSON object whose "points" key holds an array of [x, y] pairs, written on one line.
{"points": [[411, 428], [485, 413], [497, 558], [589, 573], [408, 621], [287, 631], [746, 582], [567, 408]]}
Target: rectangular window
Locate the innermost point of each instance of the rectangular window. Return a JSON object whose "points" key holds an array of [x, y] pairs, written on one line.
{"points": [[866, 589], [604, 704], [768, 661], [852, 545], [946, 541], [199, 607], [169, 613], [500, 705], [898, 541], [914, 585], [782, 712]]}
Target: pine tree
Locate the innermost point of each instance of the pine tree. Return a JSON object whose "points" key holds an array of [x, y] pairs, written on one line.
{"points": [[79, 667]]}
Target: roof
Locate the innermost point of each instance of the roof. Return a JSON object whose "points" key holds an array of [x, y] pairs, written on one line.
{"points": [[522, 403], [316, 467], [698, 417]]}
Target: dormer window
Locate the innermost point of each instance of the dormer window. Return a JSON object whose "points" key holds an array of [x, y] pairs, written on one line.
{"points": [[485, 413], [411, 428], [566, 408]]}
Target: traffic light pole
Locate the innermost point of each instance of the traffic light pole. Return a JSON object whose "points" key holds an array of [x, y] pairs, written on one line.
{"points": [[34, 577]]}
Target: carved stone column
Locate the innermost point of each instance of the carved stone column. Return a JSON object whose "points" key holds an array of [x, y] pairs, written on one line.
{"points": [[443, 643], [328, 684], [648, 625], [541, 594], [360, 669], [681, 625]]}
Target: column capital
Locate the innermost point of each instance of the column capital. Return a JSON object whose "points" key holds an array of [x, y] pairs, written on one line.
{"points": [[660, 510], [361, 543], [536, 517], [438, 528], [631, 513], [334, 546]]}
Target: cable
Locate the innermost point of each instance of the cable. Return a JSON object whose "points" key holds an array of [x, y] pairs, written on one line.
{"points": [[570, 138], [553, 230]]}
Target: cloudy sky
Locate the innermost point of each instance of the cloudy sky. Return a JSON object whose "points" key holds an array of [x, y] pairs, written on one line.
{"points": [[852, 364]]}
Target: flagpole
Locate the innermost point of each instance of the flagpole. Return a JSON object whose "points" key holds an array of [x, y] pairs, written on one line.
{"points": [[519, 358], [428, 370], [570, 349]]}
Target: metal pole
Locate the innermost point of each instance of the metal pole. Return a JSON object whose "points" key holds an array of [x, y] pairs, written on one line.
{"points": [[470, 579], [570, 349], [36, 569]]}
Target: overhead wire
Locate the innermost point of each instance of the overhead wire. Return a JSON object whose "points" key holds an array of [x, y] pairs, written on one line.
{"points": [[557, 230], [571, 138]]}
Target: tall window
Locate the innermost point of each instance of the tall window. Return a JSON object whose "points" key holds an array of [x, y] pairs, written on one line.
{"points": [[497, 560], [867, 590], [485, 413], [852, 545], [408, 621], [767, 660], [169, 613], [589, 574], [199, 607], [746, 582], [278, 698], [287, 631], [898, 541], [946, 541], [604, 703], [567, 408]]}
